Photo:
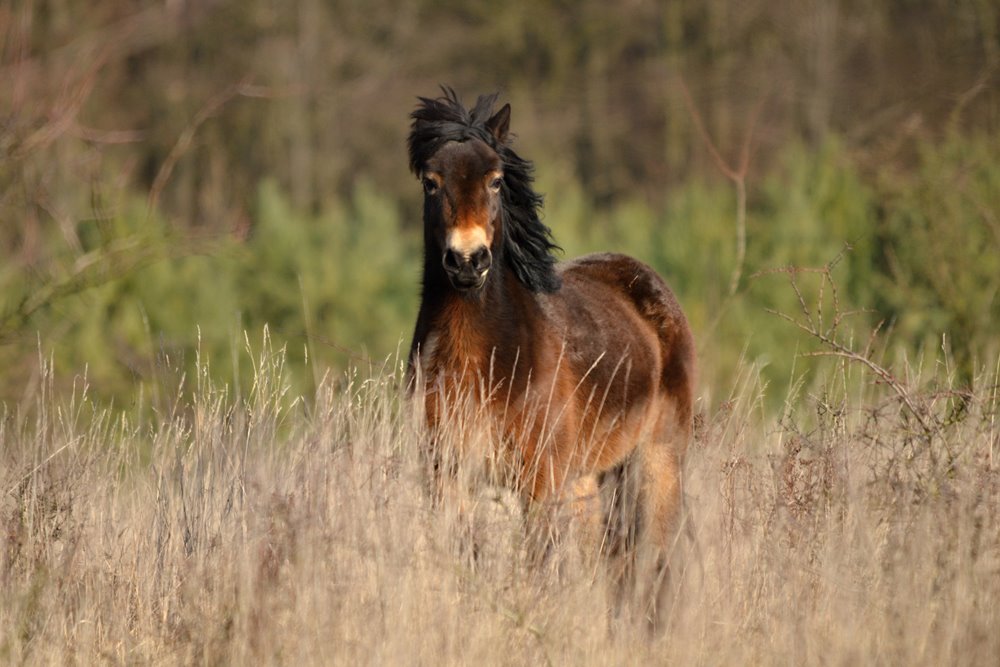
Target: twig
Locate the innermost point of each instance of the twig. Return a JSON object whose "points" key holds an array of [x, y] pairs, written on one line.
{"points": [[64, 113], [812, 324], [184, 140], [41, 465], [737, 174], [209, 110], [90, 269]]}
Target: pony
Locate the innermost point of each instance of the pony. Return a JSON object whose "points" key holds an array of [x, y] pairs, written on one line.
{"points": [[583, 369]]}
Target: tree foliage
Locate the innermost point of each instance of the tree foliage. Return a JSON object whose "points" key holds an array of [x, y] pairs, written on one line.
{"points": [[173, 166]]}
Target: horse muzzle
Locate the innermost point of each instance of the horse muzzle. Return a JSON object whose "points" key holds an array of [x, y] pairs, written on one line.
{"points": [[467, 272]]}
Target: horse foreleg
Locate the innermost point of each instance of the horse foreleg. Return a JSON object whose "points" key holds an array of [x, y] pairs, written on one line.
{"points": [[450, 497]]}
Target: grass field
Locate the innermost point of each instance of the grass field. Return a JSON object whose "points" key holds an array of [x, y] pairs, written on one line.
{"points": [[271, 529]]}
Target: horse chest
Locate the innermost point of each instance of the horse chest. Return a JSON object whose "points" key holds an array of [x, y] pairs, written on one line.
{"points": [[452, 378]]}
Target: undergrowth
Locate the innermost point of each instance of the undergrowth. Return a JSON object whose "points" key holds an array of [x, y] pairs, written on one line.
{"points": [[241, 528]]}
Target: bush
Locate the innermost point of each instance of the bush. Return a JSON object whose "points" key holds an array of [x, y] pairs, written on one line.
{"points": [[342, 284]]}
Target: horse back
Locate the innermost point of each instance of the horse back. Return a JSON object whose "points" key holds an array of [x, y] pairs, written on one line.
{"points": [[625, 335]]}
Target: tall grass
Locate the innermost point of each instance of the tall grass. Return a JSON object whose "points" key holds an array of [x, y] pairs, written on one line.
{"points": [[269, 528]]}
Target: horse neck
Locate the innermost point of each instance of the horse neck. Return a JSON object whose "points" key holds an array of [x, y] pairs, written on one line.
{"points": [[464, 333]]}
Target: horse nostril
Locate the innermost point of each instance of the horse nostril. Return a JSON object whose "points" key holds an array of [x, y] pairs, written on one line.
{"points": [[451, 260], [481, 260]]}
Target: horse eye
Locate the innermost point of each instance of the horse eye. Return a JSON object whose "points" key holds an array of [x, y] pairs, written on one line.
{"points": [[430, 186], [495, 184]]}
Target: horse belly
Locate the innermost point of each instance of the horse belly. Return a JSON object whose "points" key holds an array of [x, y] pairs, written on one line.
{"points": [[606, 440], [618, 394]]}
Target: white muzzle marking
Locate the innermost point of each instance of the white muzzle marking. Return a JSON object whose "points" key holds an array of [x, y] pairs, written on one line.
{"points": [[466, 240]]}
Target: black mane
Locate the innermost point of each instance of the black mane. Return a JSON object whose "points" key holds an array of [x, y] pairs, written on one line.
{"points": [[527, 243]]}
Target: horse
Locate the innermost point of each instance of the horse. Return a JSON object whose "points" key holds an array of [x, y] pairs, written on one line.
{"points": [[582, 369]]}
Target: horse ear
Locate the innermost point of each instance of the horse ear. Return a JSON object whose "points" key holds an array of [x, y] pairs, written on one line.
{"points": [[499, 123]]}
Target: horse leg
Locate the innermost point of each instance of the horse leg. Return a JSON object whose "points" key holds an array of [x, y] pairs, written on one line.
{"points": [[448, 495], [660, 498], [543, 485], [540, 505], [620, 489]]}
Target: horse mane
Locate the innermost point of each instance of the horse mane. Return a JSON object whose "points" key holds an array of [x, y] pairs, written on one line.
{"points": [[527, 243]]}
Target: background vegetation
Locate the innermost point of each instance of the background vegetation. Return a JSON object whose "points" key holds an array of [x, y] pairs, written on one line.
{"points": [[173, 173]]}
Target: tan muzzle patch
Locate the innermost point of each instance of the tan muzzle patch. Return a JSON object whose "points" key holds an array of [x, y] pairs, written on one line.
{"points": [[466, 240]]}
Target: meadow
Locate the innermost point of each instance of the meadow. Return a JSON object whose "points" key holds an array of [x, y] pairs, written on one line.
{"points": [[206, 456], [209, 271], [267, 527]]}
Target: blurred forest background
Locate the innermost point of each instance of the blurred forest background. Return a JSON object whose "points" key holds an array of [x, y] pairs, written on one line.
{"points": [[174, 173]]}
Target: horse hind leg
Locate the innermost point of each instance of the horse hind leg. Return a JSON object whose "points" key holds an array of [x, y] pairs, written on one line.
{"points": [[661, 504], [622, 518], [641, 503]]}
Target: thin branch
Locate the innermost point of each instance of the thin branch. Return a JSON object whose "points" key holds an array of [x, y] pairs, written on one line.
{"points": [[64, 114], [184, 141], [812, 324], [737, 174], [841, 351], [211, 108], [699, 125]]}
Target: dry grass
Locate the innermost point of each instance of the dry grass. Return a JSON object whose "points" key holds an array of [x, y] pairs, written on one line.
{"points": [[262, 529]]}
